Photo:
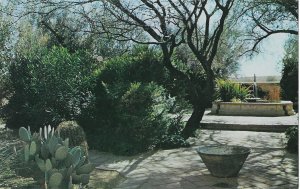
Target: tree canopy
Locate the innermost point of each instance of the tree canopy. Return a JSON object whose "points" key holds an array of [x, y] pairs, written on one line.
{"points": [[264, 18]]}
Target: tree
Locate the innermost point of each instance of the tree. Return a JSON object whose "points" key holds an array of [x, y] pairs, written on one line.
{"points": [[66, 25], [264, 18], [168, 24], [5, 53], [199, 24], [231, 49], [226, 63]]}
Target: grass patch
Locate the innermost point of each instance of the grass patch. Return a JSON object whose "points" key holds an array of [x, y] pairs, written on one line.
{"points": [[105, 179], [8, 177]]}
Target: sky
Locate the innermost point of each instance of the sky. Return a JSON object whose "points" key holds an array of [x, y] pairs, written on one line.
{"points": [[268, 61]]}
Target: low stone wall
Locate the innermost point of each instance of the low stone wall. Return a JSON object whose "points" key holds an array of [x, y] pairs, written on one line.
{"points": [[283, 108]]}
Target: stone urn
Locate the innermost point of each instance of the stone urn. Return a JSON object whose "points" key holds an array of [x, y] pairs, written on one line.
{"points": [[224, 160]]}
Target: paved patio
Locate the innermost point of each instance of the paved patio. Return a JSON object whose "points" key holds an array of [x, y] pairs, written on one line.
{"points": [[268, 165]]}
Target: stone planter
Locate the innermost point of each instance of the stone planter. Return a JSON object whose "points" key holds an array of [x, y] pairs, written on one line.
{"points": [[282, 108], [224, 161]]}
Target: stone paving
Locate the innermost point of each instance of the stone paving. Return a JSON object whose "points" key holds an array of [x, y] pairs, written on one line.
{"points": [[250, 120], [268, 165], [247, 123]]}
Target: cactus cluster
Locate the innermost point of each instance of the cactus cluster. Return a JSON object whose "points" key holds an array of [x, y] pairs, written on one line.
{"points": [[62, 166], [75, 133]]}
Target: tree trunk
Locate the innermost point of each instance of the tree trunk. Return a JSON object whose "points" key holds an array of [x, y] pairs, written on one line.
{"points": [[194, 121], [202, 98]]}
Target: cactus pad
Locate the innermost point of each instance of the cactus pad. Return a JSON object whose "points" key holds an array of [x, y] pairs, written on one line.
{"points": [[26, 152], [48, 165], [61, 153], [85, 169], [76, 152], [45, 151], [24, 134], [40, 163], [55, 179], [53, 142], [32, 148]]}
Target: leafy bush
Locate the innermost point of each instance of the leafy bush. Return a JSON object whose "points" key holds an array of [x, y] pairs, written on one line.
{"points": [[269, 91], [129, 119], [289, 80], [292, 136], [172, 138], [228, 90], [49, 88], [131, 109], [141, 65]]}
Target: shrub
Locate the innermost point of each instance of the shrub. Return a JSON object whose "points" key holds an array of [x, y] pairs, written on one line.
{"points": [[132, 105], [144, 65], [227, 91], [75, 134], [292, 136], [269, 91], [49, 88], [173, 138], [141, 65], [289, 80], [131, 120]]}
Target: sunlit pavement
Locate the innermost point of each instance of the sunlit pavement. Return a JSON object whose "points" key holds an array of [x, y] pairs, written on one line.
{"points": [[267, 166]]}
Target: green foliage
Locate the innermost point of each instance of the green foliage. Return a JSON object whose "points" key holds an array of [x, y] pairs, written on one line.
{"points": [[48, 88], [172, 138], [58, 166], [5, 52], [131, 121], [292, 136], [143, 64], [227, 91], [131, 113], [289, 80]]}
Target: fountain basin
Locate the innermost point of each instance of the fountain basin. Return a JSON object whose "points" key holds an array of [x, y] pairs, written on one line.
{"points": [[282, 108], [224, 161]]}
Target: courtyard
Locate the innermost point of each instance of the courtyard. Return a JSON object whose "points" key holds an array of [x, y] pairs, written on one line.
{"points": [[269, 165], [149, 94]]}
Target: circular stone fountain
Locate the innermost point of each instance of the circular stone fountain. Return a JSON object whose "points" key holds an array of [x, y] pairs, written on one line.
{"points": [[255, 108], [224, 160]]}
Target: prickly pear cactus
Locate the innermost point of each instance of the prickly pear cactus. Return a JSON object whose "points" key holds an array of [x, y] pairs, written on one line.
{"points": [[60, 166], [24, 134]]}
